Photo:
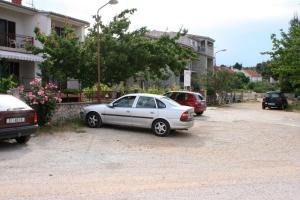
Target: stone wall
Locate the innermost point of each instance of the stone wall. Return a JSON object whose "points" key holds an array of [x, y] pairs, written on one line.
{"points": [[67, 111]]}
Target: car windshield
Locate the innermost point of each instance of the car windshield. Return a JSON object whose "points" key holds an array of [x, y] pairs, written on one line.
{"points": [[274, 95], [10, 103], [170, 101]]}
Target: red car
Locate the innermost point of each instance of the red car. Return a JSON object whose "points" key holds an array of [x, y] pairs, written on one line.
{"points": [[17, 120], [192, 99]]}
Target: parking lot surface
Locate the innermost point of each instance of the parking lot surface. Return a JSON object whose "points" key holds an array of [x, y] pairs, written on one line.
{"points": [[235, 152]]}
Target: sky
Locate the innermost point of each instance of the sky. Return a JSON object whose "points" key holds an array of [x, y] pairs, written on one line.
{"points": [[242, 27]]}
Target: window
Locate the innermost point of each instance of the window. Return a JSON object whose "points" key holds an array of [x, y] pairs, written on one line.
{"points": [[198, 97], [146, 102], [182, 97], [7, 33], [9, 68], [59, 30], [160, 104], [125, 102], [274, 95]]}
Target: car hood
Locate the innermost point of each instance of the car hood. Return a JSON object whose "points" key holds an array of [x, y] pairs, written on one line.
{"points": [[96, 107]]}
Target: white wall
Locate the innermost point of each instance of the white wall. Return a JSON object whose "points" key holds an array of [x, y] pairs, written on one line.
{"points": [[21, 20]]}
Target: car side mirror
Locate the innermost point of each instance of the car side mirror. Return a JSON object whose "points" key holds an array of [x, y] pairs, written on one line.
{"points": [[111, 105]]}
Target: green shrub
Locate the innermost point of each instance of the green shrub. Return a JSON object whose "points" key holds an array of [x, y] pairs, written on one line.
{"points": [[261, 87], [71, 91], [89, 91], [8, 83], [42, 99], [154, 91]]}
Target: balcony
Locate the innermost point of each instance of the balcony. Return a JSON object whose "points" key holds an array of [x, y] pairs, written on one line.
{"points": [[15, 41]]}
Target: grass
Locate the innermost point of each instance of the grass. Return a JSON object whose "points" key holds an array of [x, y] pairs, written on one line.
{"points": [[75, 125], [294, 106]]}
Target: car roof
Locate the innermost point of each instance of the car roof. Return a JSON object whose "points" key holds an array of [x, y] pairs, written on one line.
{"points": [[188, 92], [145, 94], [273, 92]]}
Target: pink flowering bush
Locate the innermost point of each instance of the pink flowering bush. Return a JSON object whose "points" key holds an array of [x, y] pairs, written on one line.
{"points": [[41, 98]]}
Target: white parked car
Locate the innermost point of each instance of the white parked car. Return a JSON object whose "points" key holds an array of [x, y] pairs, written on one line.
{"points": [[157, 112]]}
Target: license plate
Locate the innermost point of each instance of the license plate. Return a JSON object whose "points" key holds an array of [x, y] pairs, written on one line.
{"points": [[15, 120], [271, 104]]}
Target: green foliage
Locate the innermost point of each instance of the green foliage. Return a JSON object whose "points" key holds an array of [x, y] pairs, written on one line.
{"points": [[262, 86], [265, 70], [8, 83], [89, 91], [62, 54], [154, 91], [219, 81], [239, 80], [238, 66], [285, 55], [294, 106], [125, 53], [71, 91]]}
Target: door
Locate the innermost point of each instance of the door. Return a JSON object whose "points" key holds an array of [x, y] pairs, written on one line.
{"points": [[120, 112], [144, 112]]}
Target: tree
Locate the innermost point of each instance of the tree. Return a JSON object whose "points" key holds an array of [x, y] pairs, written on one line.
{"points": [[238, 66], [285, 56], [239, 80], [127, 53], [265, 70], [62, 54], [219, 82]]}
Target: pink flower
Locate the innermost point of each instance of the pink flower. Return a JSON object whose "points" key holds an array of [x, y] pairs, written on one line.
{"points": [[35, 102], [38, 80], [21, 88], [46, 98], [40, 92]]}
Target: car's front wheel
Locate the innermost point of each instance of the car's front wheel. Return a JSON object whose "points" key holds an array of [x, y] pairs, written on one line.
{"points": [[161, 128], [93, 120], [23, 139]]}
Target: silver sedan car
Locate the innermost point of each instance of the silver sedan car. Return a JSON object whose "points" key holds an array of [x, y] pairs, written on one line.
{"points": [[157, 112]]}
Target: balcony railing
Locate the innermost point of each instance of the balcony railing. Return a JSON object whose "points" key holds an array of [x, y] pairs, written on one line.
{"points": [[15, 40]]}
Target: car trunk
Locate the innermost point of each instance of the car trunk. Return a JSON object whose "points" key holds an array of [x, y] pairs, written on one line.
{"points": [[10, 119]]}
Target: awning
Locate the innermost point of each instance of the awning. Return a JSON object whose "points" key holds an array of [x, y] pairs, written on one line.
{"points": [[20, 56]]}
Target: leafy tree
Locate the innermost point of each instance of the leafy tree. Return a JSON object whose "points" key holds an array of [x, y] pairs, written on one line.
{"points": [[62, 54], [285, 55], [239, 80], [238, 66], [265, 70], [220, 82], [125, 53]]}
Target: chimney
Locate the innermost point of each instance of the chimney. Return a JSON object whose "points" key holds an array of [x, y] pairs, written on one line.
{"points": [[17, 2]]}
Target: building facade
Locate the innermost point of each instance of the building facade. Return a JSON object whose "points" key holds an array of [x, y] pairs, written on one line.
{"points": [[203, 46], [17, 23]]}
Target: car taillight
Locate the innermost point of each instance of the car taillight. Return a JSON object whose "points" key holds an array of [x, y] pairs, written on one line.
{"points": [[185, 116], [35, 118]]}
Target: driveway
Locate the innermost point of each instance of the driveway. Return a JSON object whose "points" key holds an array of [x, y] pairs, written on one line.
{"points": [[235, 152]]}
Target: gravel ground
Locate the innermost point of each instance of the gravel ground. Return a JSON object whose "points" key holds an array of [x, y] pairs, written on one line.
{"points": [[236, 152]]}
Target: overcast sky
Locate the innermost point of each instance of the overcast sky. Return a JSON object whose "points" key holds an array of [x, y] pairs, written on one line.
{"points": [[242, 27]]}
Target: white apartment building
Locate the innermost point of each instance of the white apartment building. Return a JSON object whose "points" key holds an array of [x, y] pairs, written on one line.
{"points": [[203, 46], [17, 23]]}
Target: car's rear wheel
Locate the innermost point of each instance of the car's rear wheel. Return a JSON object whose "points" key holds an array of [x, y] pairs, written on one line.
{"points": [[23, 139], [263, 106], [199, 113], [161, 128], [93, 120]]}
